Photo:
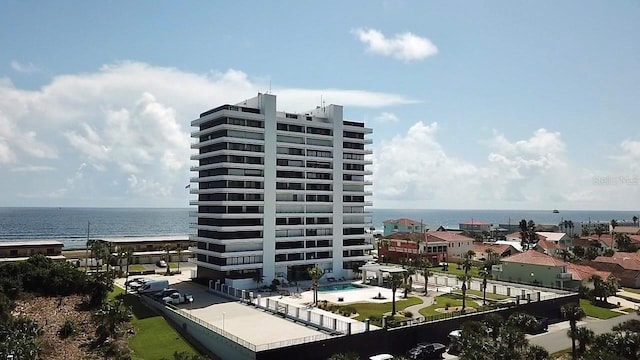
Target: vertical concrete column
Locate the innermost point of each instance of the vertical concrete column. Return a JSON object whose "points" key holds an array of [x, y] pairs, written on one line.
{"points": [[348, 328], [508, 291], [334, 326], [308, 315], [528, 298], [446, 281], [538, 296], [267, 305], [523, 292], [494, 289], [244, 294], [297, 312], [286, 309], [321, 319], [367, 325], [259, 300], [384, 321]]}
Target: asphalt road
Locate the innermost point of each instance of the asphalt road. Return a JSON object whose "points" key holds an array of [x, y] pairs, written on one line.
{"points": [[556, 338]]}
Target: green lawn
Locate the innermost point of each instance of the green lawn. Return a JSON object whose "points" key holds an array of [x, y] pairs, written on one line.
{"points": [[367, 310], [137, 268], [154, 338], [453, 270], [597, 311], [442, 300], [173, 265], [637, 291], [479, 294]]}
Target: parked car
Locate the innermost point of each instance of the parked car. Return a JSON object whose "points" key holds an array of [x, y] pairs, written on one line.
{"points": [[161, 263], [424, 351], [454, 342], [153, 286], [164, 293], [133, 285], [381, 357], [178, 298]]}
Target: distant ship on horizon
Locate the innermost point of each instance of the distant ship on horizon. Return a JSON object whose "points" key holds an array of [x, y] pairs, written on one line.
{"points": [[556, 211]]}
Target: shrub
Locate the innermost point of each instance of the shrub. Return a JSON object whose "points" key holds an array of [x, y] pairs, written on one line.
{"points": [[447, 305], [347, 310], [67, 329], [408, 314]]}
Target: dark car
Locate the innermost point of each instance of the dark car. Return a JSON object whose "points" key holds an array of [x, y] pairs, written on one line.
{"points": [[424, 351], [164, 293]]}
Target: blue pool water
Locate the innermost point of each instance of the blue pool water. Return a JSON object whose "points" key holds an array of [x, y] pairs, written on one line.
{"points": [[339, 287]]}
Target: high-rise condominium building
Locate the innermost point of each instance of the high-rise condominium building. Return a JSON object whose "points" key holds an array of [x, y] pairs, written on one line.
{"points": [[279, 192]]}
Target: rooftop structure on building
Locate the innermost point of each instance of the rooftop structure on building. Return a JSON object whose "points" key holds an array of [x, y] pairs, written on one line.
{"points": [[279, 192]]}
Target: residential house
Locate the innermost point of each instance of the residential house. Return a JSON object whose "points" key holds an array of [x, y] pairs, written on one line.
{"points": [[499, 250], [629, 230], [407, 225], [457, 244], [412, 246], [22, 250], [581, 275], [475, 226], [624, 266], [549, 247], [555, 237], [533, 267], [604, 241]]}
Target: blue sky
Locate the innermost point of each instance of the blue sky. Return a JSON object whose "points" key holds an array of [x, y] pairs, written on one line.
{"points": [[496, 104]]}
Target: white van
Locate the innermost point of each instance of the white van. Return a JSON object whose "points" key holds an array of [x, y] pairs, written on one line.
{"points": [[381, 357], [153, 286]]}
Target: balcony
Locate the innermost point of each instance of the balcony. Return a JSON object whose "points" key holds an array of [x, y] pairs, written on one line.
{"points": [[564, 276]]}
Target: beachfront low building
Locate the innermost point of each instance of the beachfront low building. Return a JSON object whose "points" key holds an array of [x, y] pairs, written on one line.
{"points": [[629, 230], [475, 226], [412, 246], [558, 238], [151, 249], [407, 225], [549, 247], [457, 244], [22, 250]]}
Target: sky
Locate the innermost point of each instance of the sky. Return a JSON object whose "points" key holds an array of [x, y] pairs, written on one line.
{"points": [[473, 105]]}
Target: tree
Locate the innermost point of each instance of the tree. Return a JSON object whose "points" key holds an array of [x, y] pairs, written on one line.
{"points": [[344, 356], [602, 289], [167, 250], [426, 272], [111, 314], [573, 313], [129, 257], [396, 280], [315, 272], [464, 278], [635, 220], [485, 272], [584, 336], [100, 284], [258, 278], [537, 352], [179, 254], [624, 244], [494, 323], [614, 224]]}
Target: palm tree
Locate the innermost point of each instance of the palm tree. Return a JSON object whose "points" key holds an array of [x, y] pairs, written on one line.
{"points": [[464, 278], [573, 313], [396, 280], [385, 244], [129, 257], [485, 272], [635, 220], [536, 352], [426, 273], [258, 278], [614, 223], [584, 336], [492, 256], [167, 249], [179, 253], [315, 273]]}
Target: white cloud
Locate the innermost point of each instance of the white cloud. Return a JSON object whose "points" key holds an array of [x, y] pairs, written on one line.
{"points": [[414, 170], [32, 168], [27, 68], [405, 46], [387, 117], [130, 119]]}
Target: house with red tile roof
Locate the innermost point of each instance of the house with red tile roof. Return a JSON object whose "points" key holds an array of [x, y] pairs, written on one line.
{"points": [[533, 267], [549, 247], [404, 225], [413, 246], [559, 238], [581, 274], [499, 250], [457, 244], [629, 230], [624, 266]]}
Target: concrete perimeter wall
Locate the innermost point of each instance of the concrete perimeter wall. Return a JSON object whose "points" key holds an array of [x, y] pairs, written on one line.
{"points": [[212, 339], [400, 340]]}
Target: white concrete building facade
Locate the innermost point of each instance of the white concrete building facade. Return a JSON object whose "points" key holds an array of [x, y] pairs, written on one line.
{"points": [[279, 192]]}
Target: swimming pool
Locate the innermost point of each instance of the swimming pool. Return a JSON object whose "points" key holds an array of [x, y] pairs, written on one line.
{"points": [[339, 287]]}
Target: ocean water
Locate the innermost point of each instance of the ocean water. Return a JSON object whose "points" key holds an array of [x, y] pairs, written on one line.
{"points": [[69, 225]]}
